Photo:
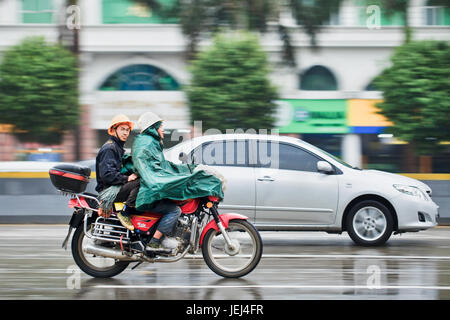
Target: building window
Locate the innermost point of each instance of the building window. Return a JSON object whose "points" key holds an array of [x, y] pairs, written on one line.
{"points": [[37, 11], [436, 15], [131, 11], [334, 20], [318, 78], [140, 77]]}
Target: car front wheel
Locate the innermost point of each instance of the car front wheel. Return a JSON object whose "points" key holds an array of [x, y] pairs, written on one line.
{"points": [[369, 223]]}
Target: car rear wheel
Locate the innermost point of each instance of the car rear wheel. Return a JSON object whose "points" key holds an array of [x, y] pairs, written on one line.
{"points": [[369, 223]]}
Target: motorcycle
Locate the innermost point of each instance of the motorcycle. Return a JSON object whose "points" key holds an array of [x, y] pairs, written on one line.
{"points": [[231, 246]]}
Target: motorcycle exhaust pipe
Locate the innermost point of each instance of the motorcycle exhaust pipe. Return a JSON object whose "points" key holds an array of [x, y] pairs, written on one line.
{"points": [[108, 253], [118, 255]]}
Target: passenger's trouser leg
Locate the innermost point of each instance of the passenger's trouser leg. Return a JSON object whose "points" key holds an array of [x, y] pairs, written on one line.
{"points": [[170, 212], [128, 194]]}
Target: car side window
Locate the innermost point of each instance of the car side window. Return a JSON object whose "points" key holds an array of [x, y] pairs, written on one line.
{"points": [[286, 157], [222, 153]]}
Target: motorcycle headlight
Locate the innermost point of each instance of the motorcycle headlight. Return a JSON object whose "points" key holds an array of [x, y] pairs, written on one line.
{"points": [[411, 190]]}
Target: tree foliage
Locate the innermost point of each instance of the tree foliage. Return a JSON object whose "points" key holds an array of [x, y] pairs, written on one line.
{"points": [[416, 90], [38, 90], [230, 88], [313, 14], [203, 18]]}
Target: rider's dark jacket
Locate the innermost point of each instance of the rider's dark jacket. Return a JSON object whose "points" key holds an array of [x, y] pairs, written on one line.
{"points": [[108, 164]]}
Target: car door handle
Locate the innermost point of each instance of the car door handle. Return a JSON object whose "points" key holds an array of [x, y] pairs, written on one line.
{"points": [[266, 178]]}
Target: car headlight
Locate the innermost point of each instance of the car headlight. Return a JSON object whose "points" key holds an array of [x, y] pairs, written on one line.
{"points": [[411, 190]]}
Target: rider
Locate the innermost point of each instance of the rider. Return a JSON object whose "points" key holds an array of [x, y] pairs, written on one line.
{"points": [[108, 165], [167, 208], [163, 181]]}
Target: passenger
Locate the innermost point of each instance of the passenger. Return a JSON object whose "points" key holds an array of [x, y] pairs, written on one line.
{"points": [[108, 168]]}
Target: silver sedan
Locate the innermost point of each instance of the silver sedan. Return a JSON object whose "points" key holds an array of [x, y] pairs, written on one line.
{"points": [[283, 183]]}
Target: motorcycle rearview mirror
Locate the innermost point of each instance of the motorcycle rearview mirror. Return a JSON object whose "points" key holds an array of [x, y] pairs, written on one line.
{"points": [[183, 157], [324, 167]]}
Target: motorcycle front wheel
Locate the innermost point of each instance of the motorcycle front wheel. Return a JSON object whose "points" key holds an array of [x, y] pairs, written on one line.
{"points": [[239, 259], [98, 267]]}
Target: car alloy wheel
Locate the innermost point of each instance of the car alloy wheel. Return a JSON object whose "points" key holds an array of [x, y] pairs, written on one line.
{"points": [[369, 223]]}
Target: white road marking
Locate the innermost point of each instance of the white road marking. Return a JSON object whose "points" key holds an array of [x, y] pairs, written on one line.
{"points": [[339, 256], [353, 256], [264, 256], [335, 287]]}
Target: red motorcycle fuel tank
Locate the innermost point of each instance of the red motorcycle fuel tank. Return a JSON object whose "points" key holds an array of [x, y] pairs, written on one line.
{"points": [[145, 221]]}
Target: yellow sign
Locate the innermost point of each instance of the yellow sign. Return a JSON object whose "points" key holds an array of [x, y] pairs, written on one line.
{"points": [[5, 128], [363, 113]]}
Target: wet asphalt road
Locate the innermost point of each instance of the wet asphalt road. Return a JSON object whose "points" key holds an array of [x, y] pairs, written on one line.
{"points": [[295, 265]]}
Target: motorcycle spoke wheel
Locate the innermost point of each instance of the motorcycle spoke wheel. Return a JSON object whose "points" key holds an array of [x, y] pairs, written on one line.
{"points": [[95, 262], [237, 260], [95, 266]]}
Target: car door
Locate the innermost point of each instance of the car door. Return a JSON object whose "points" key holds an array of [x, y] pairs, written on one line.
{"points": [[231, 158], [289, 188]]}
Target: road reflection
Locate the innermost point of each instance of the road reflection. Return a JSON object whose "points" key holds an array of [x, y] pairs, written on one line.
{"points": [[303, 278], [220, 289], [294, 266]]}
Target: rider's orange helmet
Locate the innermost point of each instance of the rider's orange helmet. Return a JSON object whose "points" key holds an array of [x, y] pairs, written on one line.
{"points": [[118, 120]]}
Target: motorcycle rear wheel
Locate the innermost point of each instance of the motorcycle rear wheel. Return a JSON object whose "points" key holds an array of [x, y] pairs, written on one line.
{"points": [[233, 262], [97, 267]]}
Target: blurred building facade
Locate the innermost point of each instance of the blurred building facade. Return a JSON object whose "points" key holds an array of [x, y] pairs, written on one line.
{"points": [[133, 61]]}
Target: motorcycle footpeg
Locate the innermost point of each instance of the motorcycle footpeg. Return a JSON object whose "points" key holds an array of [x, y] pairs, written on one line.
{"points": [[137, 246]]}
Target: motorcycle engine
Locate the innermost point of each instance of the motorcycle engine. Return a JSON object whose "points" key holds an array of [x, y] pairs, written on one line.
{"points": [[183, 229]]}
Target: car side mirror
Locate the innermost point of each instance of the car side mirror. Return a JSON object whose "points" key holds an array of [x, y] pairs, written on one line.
{"points": [[183, 157], [324, 167]]}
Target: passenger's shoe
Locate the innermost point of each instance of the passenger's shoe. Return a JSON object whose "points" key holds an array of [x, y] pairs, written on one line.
{"points": [[125, 221], [154, 244]]}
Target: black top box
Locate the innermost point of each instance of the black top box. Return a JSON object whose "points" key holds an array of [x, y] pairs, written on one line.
{"points": [[70, 177]]}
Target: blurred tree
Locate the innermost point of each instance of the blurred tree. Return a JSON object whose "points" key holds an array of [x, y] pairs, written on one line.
{"points": [[199, 18], [38, 90], [230, 86], [415, 90], [312, 14]]}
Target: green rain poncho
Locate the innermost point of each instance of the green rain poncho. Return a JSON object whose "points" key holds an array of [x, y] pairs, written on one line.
{"points": [[162, 179]]}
